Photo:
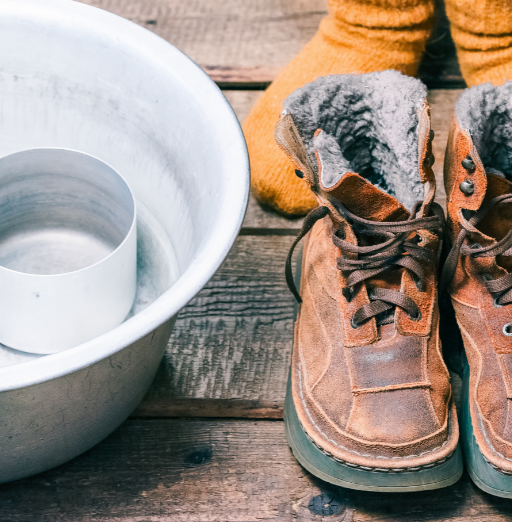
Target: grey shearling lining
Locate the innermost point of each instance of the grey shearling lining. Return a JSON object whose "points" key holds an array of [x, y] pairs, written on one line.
{"points": [[485, 111], [333, 161], [370, 126]]}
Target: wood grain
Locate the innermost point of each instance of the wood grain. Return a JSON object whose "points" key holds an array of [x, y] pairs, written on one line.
{"points": [[233, 341], [235, 41], [244, 44], [167, 470]]}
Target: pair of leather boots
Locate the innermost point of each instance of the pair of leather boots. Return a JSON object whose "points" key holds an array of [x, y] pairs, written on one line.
{"points": [[369, 403]]}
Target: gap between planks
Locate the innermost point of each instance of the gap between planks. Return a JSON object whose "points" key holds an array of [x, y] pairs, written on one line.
{"points": [[167, 470], [243, 44]]}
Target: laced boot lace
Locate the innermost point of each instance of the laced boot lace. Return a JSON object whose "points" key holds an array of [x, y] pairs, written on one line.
{"points": [[501, 288], [397, 250]]}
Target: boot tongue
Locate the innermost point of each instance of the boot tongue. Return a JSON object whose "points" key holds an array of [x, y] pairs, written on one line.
{"points": [[365, 200]]}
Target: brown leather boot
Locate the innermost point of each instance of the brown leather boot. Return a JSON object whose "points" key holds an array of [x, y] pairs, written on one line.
{"points": [[478, 174], [369, 404]]}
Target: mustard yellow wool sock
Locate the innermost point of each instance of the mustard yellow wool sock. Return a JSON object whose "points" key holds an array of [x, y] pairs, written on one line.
{"points": [[358, 36], [482, 31]]}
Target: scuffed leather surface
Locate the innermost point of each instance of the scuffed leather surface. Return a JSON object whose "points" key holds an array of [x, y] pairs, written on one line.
{"points": [[490, 386], [384, 403], [481, 322]]}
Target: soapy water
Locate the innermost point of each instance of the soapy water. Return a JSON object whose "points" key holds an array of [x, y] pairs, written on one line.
{"points": [[157, 270]]}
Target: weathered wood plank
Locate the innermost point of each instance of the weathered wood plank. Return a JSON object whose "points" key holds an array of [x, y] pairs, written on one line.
{"points": [[210, 471], [244, 43], [166, 405], [233, 341], [241, 42]]}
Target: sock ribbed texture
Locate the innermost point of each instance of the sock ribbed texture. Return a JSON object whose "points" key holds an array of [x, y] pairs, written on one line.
{"points": [[357, 37], [482, 32]]}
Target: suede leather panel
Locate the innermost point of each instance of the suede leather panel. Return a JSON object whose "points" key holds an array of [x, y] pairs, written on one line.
{"points": [[491, 388], [288, 138], [427, 175], [322, 254], [497, 223], [334, 391], [397, 361], [394, 416], [337, 442], [460, 146], [507, 432], [505, 361], [489, 406], [488, 388], [378, 403], [488, 350], [425, 300], [366, 333], [316, 336], [437, 372], [495, 318], [325, 404], [365, 200], [467, 285], [464, 289]]}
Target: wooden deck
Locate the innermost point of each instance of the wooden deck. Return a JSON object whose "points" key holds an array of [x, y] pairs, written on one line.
{"points": [[207, 443]]}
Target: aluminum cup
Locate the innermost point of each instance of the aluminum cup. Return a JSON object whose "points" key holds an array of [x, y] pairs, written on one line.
{"points": [[68, 249]]}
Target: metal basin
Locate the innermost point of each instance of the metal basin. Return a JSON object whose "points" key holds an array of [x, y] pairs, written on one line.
{"points": [[76, 77]]}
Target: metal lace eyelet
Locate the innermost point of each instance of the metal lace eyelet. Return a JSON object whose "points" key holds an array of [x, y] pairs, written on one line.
{"points": [[299, 173], [474, 246], [431, 135], [468, 163], [467, 187], [348, 293], [353, 324], [416, 318], [430, 160], [340, 233], [419, 285], [495, 303], [507, 330]]}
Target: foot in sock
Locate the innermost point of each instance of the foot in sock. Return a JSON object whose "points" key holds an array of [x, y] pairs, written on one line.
{"points": [[482, 32], [356, 37]]}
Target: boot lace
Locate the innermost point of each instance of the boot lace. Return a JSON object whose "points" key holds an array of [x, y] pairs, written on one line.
{"points": [[397, 249], [501, 288]]}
